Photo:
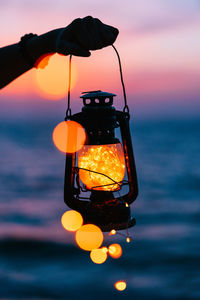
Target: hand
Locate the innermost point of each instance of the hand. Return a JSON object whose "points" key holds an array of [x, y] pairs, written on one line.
{"points": [[83, 35]]}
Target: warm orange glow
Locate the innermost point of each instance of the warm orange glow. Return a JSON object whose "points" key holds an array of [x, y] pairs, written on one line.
{"points": [[52, 80], [69, 136], [115, 250], [120, 285], [89, 237], [128, 239], [105, 159], [98, 256], [71, 220], [43, 61], [112, 232]]}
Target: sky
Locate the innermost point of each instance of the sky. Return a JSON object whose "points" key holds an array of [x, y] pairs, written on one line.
{"points": [[158, 43]]}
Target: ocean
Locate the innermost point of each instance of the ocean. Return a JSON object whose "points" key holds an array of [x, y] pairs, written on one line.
{"points": [[40, 260]]}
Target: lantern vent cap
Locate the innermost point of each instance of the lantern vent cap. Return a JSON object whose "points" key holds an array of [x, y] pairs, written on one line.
{"points": [[96, 94]]}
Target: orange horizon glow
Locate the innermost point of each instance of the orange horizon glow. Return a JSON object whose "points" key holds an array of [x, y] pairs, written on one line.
{"points": [[160, 62], [96, 73], [52, 76], [150, 85]]}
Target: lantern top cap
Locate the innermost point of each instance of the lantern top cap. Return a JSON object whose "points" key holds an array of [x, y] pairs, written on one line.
{"points": [[96, 94]]}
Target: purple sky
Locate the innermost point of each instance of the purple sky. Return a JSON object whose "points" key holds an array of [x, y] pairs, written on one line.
{"points": [[159, 44]]}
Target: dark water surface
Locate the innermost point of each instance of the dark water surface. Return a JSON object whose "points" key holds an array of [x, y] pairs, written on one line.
{"points": [[39, 260]]}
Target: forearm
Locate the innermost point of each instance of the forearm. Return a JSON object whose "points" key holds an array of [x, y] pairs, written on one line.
{"points": [[12, 62], [78, 38]]}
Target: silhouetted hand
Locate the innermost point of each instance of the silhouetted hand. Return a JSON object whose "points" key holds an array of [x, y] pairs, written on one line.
{"points": [[83, 35], [78, 38]]}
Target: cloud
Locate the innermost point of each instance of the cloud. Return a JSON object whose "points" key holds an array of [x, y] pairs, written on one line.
{"points": [[138, 16], [153, 26], [145, 17]]}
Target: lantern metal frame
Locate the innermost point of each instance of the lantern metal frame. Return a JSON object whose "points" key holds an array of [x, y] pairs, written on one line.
{"points": [[100, 119]]}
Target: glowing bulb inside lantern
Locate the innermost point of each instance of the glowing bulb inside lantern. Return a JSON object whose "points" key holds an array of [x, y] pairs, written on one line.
{"points": [[107, 163]]}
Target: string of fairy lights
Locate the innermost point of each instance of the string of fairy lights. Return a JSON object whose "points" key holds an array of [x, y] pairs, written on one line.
{"points": [[90, 238]]}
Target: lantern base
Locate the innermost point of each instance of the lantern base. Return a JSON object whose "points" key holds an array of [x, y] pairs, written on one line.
{"points": [[107, 212], [118, 226]]}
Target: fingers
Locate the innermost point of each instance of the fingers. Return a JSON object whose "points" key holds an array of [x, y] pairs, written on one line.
{"points": [[95, 34], [66, 48], [105, 34], [94, 30], [108, 34], [80, 34], [85, 34]]}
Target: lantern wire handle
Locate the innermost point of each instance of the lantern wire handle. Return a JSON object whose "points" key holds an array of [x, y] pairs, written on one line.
{"points": [[126, 108], [69, 112], [115, 182]]}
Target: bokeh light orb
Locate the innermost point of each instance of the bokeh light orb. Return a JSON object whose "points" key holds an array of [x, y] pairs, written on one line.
{"points": [[69, 136], [52, 76], [112, 232], [89, 237], [71, 220], [98, 256], [104, 249], [120, 285], [115, 250], [128, 239]]}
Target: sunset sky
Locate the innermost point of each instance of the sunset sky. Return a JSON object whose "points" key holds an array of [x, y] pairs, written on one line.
{"points": [[158, 43]]}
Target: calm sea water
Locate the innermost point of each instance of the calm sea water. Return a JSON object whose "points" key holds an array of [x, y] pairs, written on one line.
{"points": [[39, 260]]}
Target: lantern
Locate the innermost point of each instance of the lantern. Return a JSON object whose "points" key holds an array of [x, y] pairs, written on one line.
{"points": [[95, 182]]}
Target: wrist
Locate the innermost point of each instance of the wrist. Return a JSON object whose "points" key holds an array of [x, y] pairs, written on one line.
{"points": [[23, 48], [42, 44]]}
